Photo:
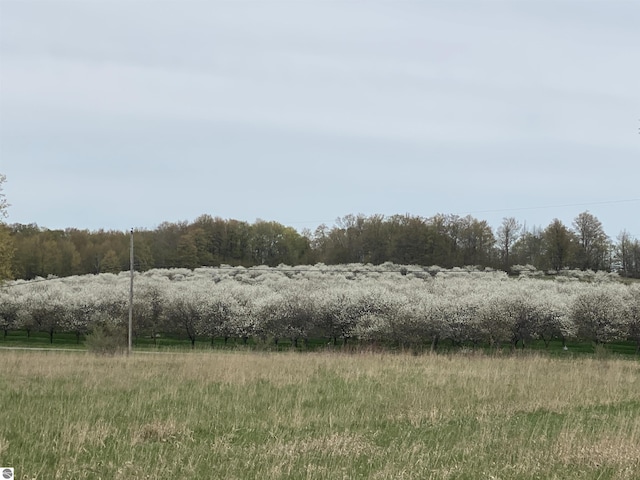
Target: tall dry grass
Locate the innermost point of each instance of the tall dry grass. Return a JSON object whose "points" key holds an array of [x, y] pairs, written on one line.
{"points": [[323, 415]]}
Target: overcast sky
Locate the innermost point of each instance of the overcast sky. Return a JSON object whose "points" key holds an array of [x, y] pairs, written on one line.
{"points": [[120, 114]]}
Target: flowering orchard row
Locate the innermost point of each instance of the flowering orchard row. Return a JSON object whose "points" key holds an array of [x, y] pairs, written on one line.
{"points": [[402, 305]]}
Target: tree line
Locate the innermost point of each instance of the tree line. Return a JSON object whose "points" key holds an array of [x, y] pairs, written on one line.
{"points": [[30, 251]]}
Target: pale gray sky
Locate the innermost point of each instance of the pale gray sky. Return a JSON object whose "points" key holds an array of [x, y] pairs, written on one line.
{"points": [[119, 114]]}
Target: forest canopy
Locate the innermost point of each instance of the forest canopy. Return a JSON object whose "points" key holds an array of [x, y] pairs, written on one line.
{"points": [[444, 240]]}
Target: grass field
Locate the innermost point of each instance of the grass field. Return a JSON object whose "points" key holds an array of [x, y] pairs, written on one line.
{"points": [[244, 415]]}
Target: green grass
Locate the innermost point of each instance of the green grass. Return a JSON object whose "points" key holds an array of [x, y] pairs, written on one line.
{"points": [[176, 342], [246, 415], [36, 339]]}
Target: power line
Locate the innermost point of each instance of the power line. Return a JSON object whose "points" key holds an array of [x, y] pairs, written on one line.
{"points": [[586, 204], [497, 210]]}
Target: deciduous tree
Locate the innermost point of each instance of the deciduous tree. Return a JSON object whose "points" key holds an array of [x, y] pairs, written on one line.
{"points": [[6, 242], [593, 244], [559, 245], [508, 233]]}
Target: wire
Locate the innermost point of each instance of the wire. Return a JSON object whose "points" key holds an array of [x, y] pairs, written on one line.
{"points": [[497, 210], [608, 202]]}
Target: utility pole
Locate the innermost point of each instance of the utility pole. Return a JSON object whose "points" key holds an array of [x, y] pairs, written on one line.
{"points": [[130, 294]]}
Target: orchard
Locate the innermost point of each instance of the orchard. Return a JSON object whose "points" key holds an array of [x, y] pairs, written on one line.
{"points": [[387, 305]]}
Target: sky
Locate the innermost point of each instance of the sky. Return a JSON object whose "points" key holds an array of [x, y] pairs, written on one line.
{"points": [[127, 114]]}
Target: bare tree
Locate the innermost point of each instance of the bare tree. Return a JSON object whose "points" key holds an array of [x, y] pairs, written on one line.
{"points": [[623, 252], [508, 233], [593, 243], [6, 242]]}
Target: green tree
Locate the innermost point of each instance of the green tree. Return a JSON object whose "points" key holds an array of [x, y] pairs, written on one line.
{"points": [[143, 256], [460, 241], [23, 264], [110, 263], [375, 240], [351, 228], [409, 240], [40, 253], [7, 250], [187, 251], [109, 246], [476, 241], [236, 246], [273, 244], [528, 249], [444, 241], [83, 244], [165, 245], [559, 246], [208, 233]]}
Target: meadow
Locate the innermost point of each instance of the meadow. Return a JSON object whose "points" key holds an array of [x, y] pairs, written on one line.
{"points": [[276, 415]]}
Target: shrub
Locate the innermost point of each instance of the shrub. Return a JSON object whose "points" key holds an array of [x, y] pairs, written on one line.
{"points": [[107, 340]]}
